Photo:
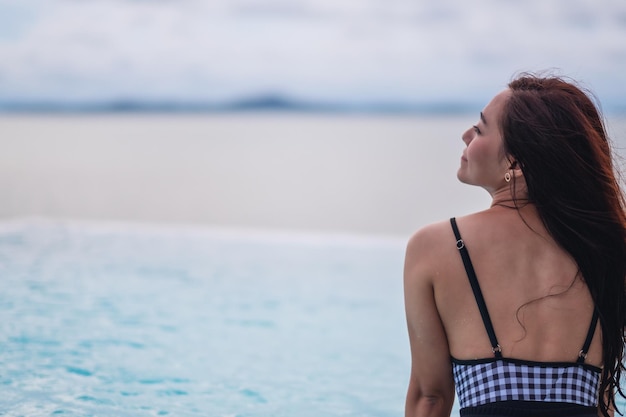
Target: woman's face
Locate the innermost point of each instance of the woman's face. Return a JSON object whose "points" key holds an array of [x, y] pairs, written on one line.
{"points": [[484, 162]]}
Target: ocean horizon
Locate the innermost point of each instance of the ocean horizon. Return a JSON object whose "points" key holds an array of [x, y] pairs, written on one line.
{"points": [[271, 102], [257, 103]]}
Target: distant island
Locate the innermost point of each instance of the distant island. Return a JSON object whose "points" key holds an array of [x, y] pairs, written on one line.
{"points": [[261, 103]]}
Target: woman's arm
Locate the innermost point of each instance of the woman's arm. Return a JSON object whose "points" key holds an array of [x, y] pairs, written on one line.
{"points": [[431, 386]]}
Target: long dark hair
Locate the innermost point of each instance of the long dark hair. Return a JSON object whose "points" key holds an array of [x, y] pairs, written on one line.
{"points": [[554, 131]]}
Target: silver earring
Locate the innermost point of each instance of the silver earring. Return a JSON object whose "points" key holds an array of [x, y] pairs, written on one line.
{"points": [[507, 177]]}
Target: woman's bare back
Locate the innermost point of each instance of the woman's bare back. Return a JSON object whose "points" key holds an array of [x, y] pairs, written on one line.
{"points": [[539, 304]]}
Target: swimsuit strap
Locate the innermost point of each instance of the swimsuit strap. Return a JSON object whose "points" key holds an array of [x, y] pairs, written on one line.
{"points": [[592, 329], [478, 295]]}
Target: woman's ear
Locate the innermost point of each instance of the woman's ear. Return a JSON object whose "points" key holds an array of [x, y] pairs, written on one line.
{"points": [[516, 169]]}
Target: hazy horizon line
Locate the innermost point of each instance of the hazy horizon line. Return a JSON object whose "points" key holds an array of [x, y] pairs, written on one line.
{"points": [[253, 103], [267, 102]]}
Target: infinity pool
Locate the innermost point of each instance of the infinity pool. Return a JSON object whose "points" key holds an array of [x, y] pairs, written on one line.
{"points": [[126, 320]]}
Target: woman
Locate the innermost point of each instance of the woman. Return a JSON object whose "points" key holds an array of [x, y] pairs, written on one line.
{"points": [[532, 323]]}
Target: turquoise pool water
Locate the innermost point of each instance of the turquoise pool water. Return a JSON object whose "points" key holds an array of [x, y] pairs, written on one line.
{"points": [[114, 320]]}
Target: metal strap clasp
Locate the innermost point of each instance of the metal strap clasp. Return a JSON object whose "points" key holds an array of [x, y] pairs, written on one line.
{"points": [[460, 244]]}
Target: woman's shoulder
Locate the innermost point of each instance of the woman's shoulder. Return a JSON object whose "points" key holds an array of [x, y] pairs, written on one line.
{"points": [[428, 247], [422, 263], [430, 236], [436, 241], [439, 233]]}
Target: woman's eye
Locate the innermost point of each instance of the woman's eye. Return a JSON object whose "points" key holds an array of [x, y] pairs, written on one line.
{"points": [[476, 129]]}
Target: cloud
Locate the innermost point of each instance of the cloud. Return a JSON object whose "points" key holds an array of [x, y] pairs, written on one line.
{"points": [[354, 49]]}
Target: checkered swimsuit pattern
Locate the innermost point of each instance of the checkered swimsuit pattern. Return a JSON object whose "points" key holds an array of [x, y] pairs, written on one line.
{"points": [[482, 382]]}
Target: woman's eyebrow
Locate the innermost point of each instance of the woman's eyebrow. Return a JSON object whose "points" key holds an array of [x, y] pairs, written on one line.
{"points": [[482, 117]]}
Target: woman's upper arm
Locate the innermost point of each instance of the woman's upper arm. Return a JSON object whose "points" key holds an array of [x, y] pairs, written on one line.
{"points": [[431, 386]]}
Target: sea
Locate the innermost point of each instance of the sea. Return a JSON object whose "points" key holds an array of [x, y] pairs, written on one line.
{"points": [[227, 266]]}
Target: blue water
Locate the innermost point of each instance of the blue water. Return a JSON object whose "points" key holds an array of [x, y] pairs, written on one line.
{"points": [[114, 320]]}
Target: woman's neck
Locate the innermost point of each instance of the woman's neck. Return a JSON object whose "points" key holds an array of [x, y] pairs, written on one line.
{"points": [[513, 195]]}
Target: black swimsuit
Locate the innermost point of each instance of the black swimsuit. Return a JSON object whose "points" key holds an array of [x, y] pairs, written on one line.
{"points": [[505, 387]]}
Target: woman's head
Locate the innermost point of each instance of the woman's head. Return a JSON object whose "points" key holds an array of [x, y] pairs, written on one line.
{"points": [[554, 133]]}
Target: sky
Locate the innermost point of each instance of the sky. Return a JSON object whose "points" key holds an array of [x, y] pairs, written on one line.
{"points": [[407, 51]]}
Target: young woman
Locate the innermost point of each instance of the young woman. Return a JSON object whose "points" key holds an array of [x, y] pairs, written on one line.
{"points": [[521, 307]]}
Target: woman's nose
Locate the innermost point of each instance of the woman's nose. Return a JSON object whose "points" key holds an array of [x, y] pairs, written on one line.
{"points": [[468, 135]]}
